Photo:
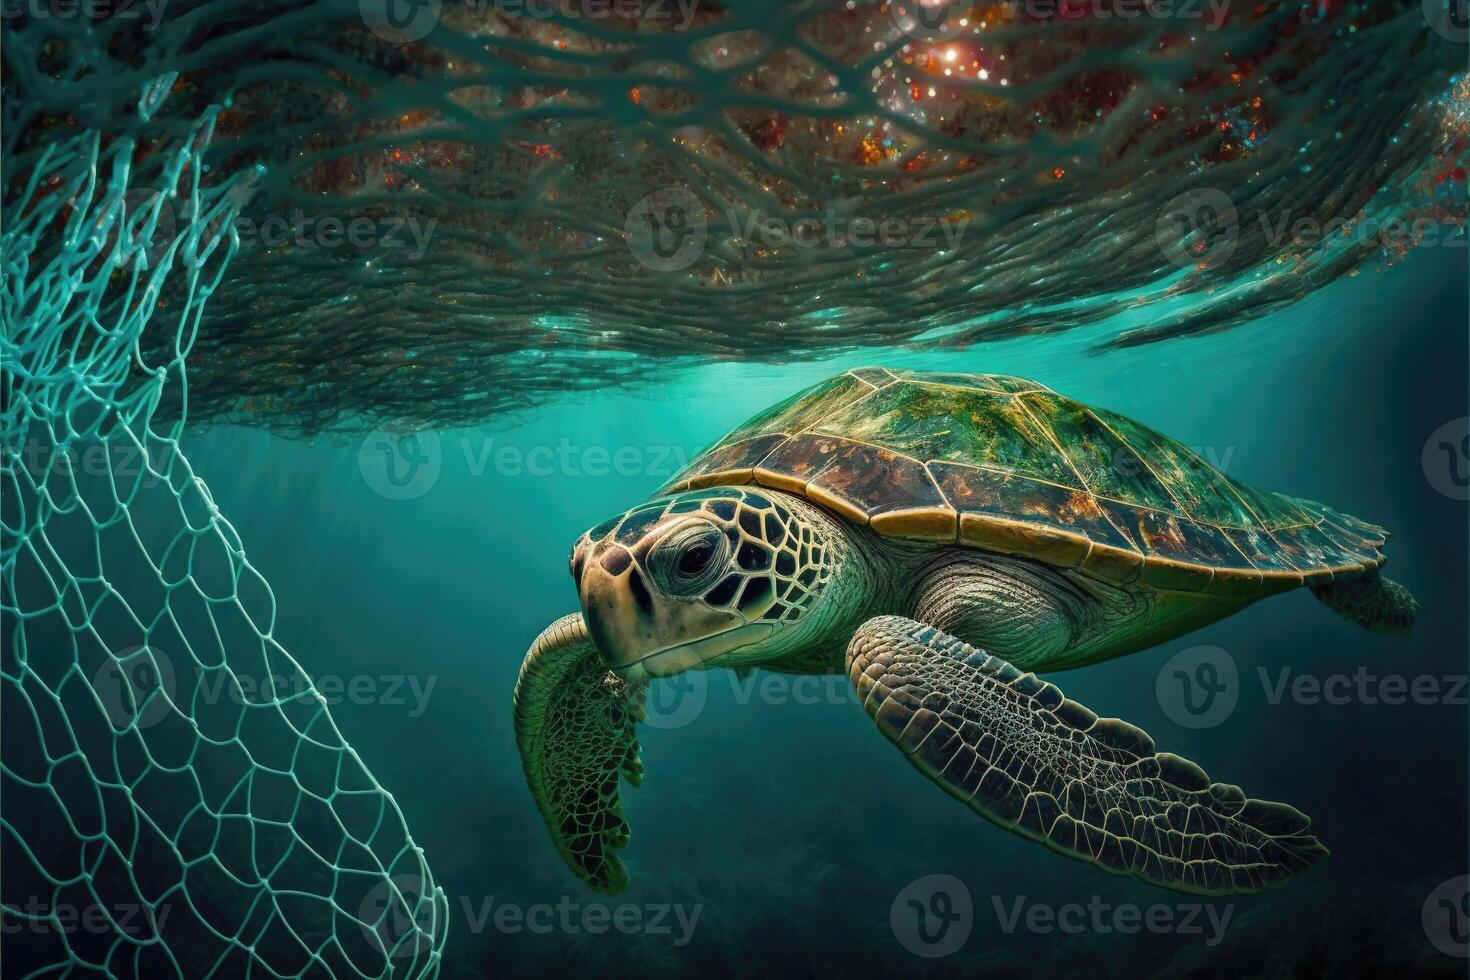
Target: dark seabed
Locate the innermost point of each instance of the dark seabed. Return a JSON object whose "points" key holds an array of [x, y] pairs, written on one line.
{"points": [[776, 830]]}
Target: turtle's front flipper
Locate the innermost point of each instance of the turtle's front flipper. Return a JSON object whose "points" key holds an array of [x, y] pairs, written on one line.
{"points": [[1017, 751], [574, 725]]}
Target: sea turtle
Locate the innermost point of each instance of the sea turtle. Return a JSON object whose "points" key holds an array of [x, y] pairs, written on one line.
{"points": [[951, 533]]}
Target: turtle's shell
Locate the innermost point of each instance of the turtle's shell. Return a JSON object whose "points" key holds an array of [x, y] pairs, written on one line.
{"points": [[1009, 465]]}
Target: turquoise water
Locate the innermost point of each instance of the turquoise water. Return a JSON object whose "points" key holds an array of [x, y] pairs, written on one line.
{"points": [[175, 797], [780, 826]]}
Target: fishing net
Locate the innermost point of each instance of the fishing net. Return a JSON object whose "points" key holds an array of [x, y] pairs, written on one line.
{"points": [[467, 205], [176, 798]]}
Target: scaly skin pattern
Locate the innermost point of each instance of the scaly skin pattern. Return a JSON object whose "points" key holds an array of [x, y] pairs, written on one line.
{"points": [[1018, 752], [750, 576], [1373, 602], [574, 727], [575, 719], [1029, 613]]}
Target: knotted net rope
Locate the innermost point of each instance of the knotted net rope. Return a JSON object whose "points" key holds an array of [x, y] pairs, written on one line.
{"points": [[175, 799], [469, 204]]}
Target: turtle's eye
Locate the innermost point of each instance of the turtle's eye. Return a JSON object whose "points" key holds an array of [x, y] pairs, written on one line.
{"points": [[689, 560], [696, 558]]}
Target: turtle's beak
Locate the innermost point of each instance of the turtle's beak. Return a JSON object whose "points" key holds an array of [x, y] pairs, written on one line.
{"points": [[641, 632]]}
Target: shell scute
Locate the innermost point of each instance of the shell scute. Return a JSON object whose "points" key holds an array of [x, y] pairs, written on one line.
{"points": [[1104, 463], [1006, 464]]}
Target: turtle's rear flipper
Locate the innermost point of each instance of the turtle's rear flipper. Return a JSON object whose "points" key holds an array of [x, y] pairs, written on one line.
{"points": [[574, 724], [1372, 601], [1018, 752]]}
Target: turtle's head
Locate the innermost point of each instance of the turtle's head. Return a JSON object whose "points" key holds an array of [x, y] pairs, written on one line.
{"points": [[694, 576]]}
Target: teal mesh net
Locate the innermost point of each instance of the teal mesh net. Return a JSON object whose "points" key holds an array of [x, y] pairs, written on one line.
{"points": [[176, 798], [546, 194]]}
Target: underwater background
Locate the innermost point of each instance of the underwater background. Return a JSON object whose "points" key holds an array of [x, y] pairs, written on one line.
{"points": [[775, 829], [237, 234]]}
